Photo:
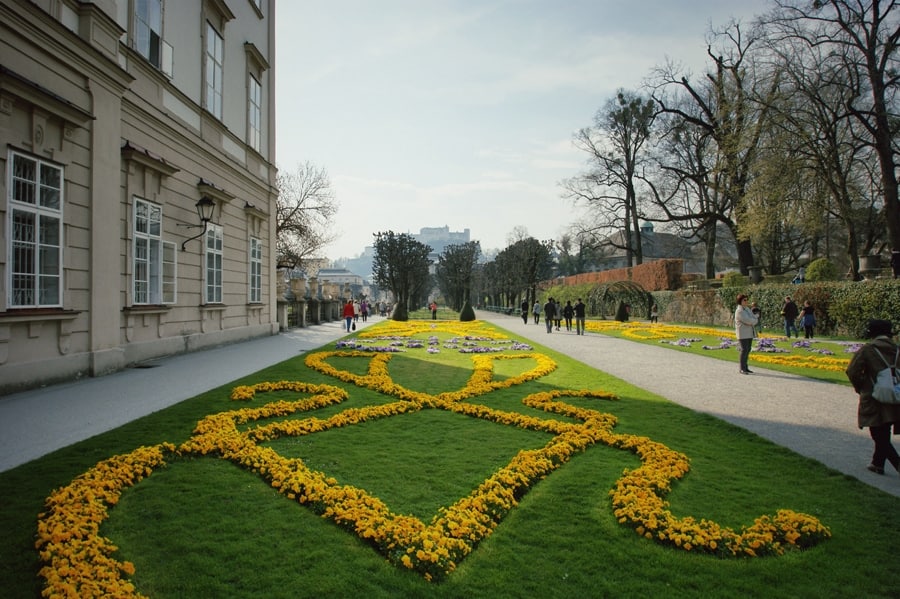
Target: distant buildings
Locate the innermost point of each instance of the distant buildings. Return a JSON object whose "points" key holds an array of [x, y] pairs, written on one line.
{"points": [[438, 238], [658, 245]]}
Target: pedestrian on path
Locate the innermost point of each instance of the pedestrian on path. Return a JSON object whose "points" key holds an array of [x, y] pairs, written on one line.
{"points": [[525, 311], [536, 310], [808, 319], [878, 417], [744, 323], [549, 314], [348, 314], [568, 313], [789, 313], [579, 317]]}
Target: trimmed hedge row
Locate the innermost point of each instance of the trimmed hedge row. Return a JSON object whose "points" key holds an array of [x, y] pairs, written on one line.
{"points": [[842, 308]]}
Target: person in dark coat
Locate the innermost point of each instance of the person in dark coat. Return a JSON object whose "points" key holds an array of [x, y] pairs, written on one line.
{"points": [[790, 312], [525, 312], [808, 319], [568, 313], [878, 417], [549, 314]]}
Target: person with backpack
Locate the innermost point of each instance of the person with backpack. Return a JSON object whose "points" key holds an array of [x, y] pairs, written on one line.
{"points": [[880, 418]]}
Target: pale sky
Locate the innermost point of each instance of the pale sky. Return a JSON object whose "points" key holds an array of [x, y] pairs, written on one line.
{"points": [[461, 113]]}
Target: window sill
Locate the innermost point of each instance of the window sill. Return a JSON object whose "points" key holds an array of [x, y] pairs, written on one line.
{"points": [[37, 314], [213, 307], [148, 309]]}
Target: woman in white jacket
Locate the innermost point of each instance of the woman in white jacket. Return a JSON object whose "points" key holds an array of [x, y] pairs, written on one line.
{"points": [[744, 321]]}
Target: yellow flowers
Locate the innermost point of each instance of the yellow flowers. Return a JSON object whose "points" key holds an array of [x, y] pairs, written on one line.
{"points": [[78, 560], [803, 361]]}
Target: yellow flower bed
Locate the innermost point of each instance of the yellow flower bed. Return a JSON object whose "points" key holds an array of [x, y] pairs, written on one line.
{"points": [[78, 561], [655, 330], [803, 361]]}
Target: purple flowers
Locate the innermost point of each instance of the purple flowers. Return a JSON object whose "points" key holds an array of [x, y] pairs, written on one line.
{"points": [[767, 345], [726, 344]]}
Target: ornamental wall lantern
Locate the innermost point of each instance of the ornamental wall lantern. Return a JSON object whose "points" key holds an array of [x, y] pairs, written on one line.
{"points": [[205, 209]]}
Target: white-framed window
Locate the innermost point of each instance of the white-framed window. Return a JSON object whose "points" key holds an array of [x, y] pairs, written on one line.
{"points": [[148, 30], [213, 253], [148, 35], [153, 263], [255, 270], [35, 232], [215, 59], [254, 110]]}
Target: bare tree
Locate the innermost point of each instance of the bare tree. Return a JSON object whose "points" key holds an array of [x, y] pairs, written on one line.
{"points": [[860, 39], [304, 212], [824, 142], [720, 113], [616, 146]]}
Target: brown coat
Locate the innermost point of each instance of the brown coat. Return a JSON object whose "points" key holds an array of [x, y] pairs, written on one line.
{"points": [[861, 372]]}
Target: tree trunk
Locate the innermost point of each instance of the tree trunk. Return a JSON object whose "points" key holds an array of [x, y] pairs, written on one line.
{"points": [[745, 255]]}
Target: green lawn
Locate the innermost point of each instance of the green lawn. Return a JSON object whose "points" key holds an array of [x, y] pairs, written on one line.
{"points": [[206, 527]]}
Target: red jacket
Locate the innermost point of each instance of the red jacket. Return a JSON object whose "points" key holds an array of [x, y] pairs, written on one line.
{"points": [[348, 309]]}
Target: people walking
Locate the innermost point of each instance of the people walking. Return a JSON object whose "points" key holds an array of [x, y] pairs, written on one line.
{"points": [[654, 313], [549, 314], [524, 311], [579, 317], [789, 313], [536, 310], [878, 417], [433, 307], [744, 323], [557, 316]]}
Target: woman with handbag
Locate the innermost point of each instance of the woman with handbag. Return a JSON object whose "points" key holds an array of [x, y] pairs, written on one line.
{"points": [[878, 417], [744, 322]]}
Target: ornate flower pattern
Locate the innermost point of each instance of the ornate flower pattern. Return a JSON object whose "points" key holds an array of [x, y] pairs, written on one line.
{"points": [[79, 561]]}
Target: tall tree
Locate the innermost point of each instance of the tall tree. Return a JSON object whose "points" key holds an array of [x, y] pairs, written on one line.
{"points": [[401, 265], [529, 261], [722, 109], [616, 147], [831, 160], [861, 39], [304, 214], [455, 270]]}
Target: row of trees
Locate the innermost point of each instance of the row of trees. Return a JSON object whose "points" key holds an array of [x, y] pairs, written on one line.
{"points": [[402, 265], [787, 140]]}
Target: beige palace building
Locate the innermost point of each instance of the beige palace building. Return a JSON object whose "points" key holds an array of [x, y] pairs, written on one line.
{"points": [[137, 151]]}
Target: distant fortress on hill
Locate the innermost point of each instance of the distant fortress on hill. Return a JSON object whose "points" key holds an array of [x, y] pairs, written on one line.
{"points": [[437, 238]]}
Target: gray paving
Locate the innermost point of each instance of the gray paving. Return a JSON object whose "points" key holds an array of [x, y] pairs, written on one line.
{"points": [[815, 419]]}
